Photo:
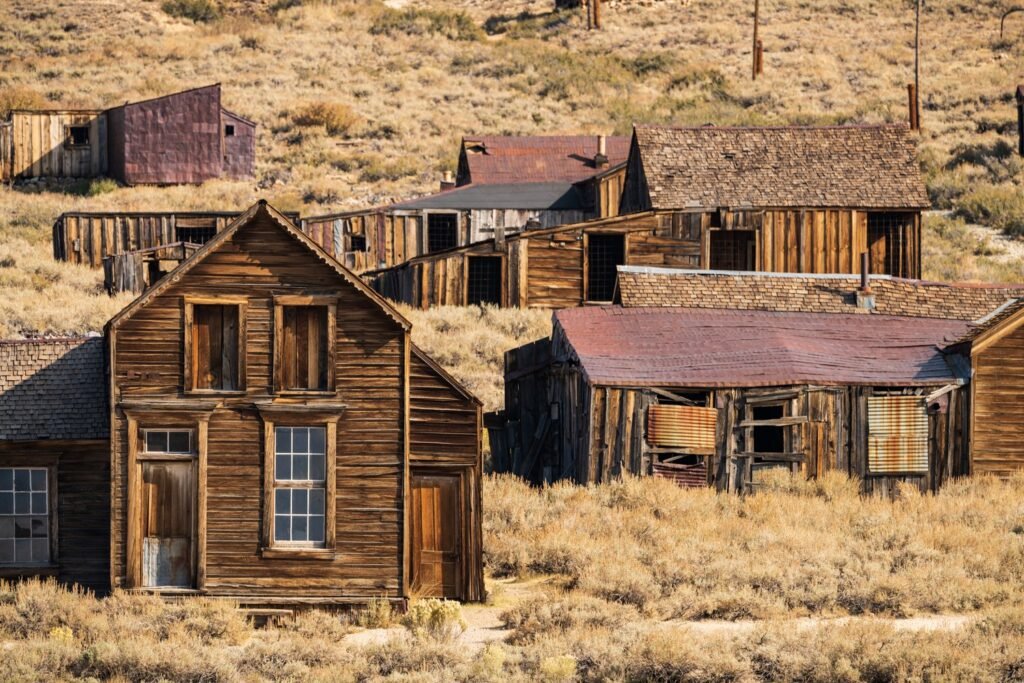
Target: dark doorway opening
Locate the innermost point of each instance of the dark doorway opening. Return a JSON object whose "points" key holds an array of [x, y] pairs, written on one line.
{"points": [[733, 249], [604, 254], [769, 439], [442, 231], [484, 281]]}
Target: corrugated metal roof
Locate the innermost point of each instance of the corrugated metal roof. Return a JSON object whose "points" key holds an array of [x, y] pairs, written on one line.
{"points": [[53, 389], [538, 158], [554, 196], [787, 166], [686, 347]]}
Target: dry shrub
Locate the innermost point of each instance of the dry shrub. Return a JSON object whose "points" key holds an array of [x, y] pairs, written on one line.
{"points": [[439, 620], [337, 118], [378, 613], [19, 97], [539, 617], [997, 206], [198, 11], [453, 25]]}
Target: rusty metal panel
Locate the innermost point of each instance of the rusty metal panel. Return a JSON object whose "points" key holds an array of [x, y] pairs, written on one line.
{"points": [[897, 434], [686, 427], [686, 476]]}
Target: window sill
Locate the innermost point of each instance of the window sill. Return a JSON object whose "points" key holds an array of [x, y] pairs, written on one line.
{"points": [[297, 553], [165, 590], [215, 392], [306, 392], [29, 570]]}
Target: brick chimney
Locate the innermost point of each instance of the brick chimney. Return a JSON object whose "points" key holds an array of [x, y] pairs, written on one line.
{"points": [[447, 181], [601, 158]]}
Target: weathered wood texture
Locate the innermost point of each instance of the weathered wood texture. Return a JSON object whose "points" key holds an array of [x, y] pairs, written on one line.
{"points": [[90, 237], [41, 144], [83, 513], [444, 433], [609, 192], [549, 268], [998, 443], [6, 152], [136, 271], [259, 263]]}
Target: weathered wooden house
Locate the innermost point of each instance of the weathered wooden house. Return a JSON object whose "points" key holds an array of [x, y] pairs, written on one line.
{"points": [[800, 200], [184, 137], [806, 373], [505, 184], [275, 437]]}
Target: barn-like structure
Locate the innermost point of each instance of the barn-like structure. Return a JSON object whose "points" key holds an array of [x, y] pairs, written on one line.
{"points": [[711, 378]]}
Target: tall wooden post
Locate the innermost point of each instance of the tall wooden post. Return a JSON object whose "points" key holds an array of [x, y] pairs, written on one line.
{"points": [[1020, 119], [597, 14], [916, 123], [757, 12]]}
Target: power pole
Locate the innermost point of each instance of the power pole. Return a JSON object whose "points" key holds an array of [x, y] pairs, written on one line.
{"points": [[757, 12], [916, 117]]}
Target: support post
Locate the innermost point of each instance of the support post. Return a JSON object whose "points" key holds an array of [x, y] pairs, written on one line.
{"points": [[597, 14], [759, 56], [757, 13], [915, 123], [916, 117]]}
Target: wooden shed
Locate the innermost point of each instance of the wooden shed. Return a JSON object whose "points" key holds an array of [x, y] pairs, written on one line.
{"points": [[715, 394], [505, 184], [278, 440], [57, 143]]}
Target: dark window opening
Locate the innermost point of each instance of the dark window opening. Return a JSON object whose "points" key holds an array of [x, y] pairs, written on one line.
{"points": [[215, 347], [78, 136], [604, 254], [229, 131], [357, 242], [484, 285], [195, 235], [304, 348], [887, 237], [733, 250], [716, 219], [442, 231], [769, 439]]}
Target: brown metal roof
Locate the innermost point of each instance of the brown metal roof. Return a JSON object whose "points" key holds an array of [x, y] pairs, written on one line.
{"points": [[792, 166], [537, 159], [683, 347], [796, 292], [53, 389]]}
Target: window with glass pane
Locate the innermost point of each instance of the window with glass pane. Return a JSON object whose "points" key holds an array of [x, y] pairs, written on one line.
{"points": [[299, 485], [24, 516], [170, 441]]}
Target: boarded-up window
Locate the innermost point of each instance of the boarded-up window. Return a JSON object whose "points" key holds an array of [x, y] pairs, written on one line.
{"points": [[442, 231], [215, 347], [484, 281], [688, 428], [733, 249], [897, 434], [605, 253], [305, 351], [24, 516], [300, 474]]}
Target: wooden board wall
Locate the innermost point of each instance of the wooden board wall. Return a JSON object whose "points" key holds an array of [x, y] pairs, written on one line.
{"points": [[997, 446], [444, 436], [261, 261], [6, 152], [40, 149]]}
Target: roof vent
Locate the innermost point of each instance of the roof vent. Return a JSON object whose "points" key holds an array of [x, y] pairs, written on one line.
{"points": [[729, 156]]}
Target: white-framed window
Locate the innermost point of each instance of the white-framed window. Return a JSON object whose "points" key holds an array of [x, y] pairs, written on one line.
{"points": [[24, 515], [300, 485], [167, 441]]}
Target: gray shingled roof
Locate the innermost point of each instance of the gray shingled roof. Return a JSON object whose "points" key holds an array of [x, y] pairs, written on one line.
{"points": [[868, 167], [555, 196], [53, 389]]}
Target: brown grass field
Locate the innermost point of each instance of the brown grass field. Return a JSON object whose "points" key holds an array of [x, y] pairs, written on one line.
{"points": [[360, 102]]}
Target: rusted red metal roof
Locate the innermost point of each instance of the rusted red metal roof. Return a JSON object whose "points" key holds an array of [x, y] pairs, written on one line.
{"points": [[685, 347], [491, 159]]}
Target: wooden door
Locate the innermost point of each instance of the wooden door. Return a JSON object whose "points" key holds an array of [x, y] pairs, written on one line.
{"points": [[168, 521], [437, 536]]}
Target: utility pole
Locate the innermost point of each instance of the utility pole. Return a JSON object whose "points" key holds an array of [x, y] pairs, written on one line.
{"points": [[916, 116], [754, 68]]}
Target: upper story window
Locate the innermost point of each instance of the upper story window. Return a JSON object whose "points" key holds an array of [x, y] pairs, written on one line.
{"points": [[214, 345], [304, 344], [25, 516]]}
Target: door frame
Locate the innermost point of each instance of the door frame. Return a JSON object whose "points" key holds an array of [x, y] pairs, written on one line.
{"points": [[461, 473]]}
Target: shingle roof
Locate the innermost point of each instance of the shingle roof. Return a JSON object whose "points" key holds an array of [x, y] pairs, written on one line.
{"points": [[721, 348], [536, 159], [554, 196], [828, 166], [642, 286], [53, 389]]}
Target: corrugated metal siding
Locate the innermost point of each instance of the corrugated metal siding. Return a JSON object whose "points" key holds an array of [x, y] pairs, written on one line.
{"points": [[687, 476], [687, 427], [897, 434]]}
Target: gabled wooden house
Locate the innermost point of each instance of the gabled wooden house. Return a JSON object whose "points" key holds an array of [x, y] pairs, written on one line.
{"points": [[275, 437], [184, 137], [505, 184], [794, 200], [801, 373]]}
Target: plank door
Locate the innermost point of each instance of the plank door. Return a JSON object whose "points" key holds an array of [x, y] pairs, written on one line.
{"points": [[168, 522], [436, 536]]}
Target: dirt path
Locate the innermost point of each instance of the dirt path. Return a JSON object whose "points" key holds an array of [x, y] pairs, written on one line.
{"points": [[483, 623]]}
